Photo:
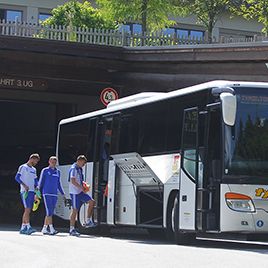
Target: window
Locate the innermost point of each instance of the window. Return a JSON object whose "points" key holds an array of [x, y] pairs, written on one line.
{"points": [[182, 33], [128, 132], [190, 129], [152, 129], [197, 34], [136, 28], [115, 134], [174, 122], [176, 108], [44, 16], [246, 144], [10, 15], [124, 28], [73, 141], [169, 31], [143, 129], [133, 28]]}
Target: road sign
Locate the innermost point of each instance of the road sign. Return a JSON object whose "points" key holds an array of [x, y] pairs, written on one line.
{"points": [[107, 95]]}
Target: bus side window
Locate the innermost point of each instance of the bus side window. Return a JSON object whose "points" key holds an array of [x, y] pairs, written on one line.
{"points": [[153, 126], [129, 130], [190, 128], [73, 141]]}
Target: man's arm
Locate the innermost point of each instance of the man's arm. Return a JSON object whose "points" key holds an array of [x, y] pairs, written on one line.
{"points": [[60, 188], [74, 182], [41, 180], [18, 179]]}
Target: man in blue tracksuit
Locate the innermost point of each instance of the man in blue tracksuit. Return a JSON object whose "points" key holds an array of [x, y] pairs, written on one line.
{"points": [[49, 185], [27, 178]]}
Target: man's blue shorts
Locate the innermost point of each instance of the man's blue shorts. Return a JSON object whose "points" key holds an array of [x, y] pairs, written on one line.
{"points": [[29, 200], [79, 199], [50, 202]]}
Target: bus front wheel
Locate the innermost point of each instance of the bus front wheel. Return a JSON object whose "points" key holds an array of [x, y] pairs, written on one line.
{"points": [[173, 232]]}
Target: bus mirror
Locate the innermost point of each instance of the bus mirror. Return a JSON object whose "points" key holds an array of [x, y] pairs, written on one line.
{"points": [[228, 101]]}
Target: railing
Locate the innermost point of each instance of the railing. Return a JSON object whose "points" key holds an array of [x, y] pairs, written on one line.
{"points": [[107, 37], [246, 39]]}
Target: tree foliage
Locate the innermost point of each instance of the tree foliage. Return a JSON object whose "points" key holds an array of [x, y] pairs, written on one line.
{"points": [[151, 14], [207, 11], [78, 14], [253, 9]]}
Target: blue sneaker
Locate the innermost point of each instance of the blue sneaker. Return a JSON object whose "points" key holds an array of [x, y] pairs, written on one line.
{"points": [[23, 231], [30, 230], [74, 233], [90, 224]]}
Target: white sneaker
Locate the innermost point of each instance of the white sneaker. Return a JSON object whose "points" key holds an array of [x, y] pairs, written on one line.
{"points": [[53, 232], [45, 232]]}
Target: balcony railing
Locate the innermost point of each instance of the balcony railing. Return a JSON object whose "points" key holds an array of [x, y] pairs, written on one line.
{"points": [[108, 37]]}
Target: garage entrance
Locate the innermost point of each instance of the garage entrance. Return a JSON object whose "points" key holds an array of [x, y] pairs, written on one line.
{"points": [[26, 127]]}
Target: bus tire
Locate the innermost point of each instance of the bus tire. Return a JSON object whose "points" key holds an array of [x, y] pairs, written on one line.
{"points": [[169, 230], [174, 233]]}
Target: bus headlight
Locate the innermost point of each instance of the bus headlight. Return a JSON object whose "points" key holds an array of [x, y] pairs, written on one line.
{"points": [[239, 202]]}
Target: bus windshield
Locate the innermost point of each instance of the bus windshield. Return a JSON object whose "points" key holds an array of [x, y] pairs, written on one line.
{"points": [[246, 144]]}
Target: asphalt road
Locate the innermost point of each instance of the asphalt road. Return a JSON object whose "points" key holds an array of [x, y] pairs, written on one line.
{"points": [[122, 250]]}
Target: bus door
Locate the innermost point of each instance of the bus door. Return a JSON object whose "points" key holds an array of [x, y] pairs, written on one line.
{"points": [[199, 183], [208, 183], [189, 170], [103, 143], [200, 173]]}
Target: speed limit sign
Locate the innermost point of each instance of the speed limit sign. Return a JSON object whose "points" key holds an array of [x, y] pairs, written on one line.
{"points": [[107, 95]]}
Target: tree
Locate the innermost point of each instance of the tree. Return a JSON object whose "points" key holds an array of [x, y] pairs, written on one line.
{"points": [[78, 14], [253, 9], [151, 14], [207, 11]]}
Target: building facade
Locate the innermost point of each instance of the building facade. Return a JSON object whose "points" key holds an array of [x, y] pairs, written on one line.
{"points": [[34, 11], [30, 11]]}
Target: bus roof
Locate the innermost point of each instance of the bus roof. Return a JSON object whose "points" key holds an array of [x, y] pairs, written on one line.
{"points": [[160, 96]]}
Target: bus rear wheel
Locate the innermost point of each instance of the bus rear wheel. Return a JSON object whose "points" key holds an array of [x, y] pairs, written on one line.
{"points": [[173, 232]]}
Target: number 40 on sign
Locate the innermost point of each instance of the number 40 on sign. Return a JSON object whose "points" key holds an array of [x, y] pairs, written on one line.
{"points": [[108, 95]]}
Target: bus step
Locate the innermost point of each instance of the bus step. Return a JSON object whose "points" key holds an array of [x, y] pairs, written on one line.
{"points": [[204, 210], [203, 190]]}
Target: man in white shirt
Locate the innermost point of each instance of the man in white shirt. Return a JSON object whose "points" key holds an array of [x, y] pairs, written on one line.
{"points": [[78, 196], [27, 178]]}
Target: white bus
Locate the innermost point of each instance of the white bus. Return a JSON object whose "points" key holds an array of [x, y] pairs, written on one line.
{"points": [[192, 162]]}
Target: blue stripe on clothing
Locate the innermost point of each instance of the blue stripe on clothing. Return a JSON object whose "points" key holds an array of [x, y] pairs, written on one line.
{"points": [[28, 202], [17, 178], [50, 202]]}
